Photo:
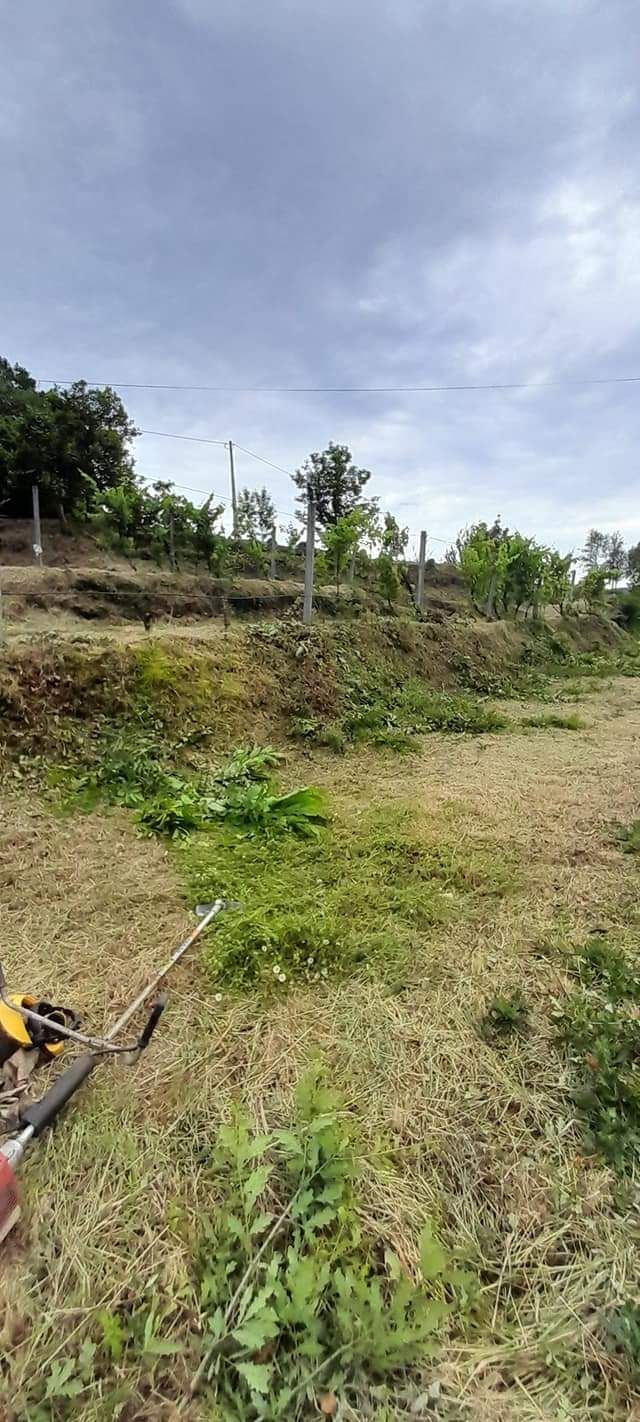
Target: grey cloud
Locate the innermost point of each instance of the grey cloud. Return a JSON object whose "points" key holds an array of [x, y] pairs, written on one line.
{"points": [[385, 192]]}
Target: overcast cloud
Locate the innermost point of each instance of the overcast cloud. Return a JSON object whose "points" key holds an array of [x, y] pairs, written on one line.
{"points": [[339, 193]]}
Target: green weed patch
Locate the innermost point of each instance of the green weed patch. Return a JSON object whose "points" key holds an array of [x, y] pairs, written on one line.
{"points": [[128, 771], [622, 1334], [554, 721], [392, 715], [299, 1306], [288, 1306], [600, 1028], [604, 1046], [360, 898], [505, 1017], [602, 965], [627, 837]]}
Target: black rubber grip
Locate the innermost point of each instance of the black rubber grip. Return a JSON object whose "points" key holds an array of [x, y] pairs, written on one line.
{"points": [[40, 1114], [152, 1021]]}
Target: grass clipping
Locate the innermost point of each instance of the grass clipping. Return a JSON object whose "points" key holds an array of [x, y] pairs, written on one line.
{"points": [[131, 773]]}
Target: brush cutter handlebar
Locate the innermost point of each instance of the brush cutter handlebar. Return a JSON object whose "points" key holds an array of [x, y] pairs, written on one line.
{"points": [[40, 1114]]}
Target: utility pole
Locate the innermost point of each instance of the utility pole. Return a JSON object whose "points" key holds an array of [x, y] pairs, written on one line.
{"points": [[272, 559], [172, 543], [234, 497], [309, 557], [37, 534], [421, 562]]}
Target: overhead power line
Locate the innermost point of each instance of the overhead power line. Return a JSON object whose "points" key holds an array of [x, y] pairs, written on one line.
{"points": [[198, 439], [357, 389], [195, 439], [224, 444], [264, 461]]}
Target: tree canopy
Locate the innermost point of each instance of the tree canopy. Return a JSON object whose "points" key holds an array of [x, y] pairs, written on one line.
{"points": [[57, 439], [606, 551], [507, 571], [335, 481], [256, 514], [633, 565]]}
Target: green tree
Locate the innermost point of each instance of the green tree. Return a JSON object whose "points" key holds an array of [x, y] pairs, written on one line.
{"points": [[122, 517], [482, 556], [520, 565], [340, 540], [209, 543], [633, 565], [26, 438], [265, 513], [56, 438], [388, 578], [594, 552], [557, 584], [336, 484], [506, 572], [615, 557], [394, 538], [592, 588], [256, 514], [246, 517]]}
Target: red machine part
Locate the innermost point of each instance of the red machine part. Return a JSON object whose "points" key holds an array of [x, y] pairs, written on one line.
{"points": [[9, 1204]]}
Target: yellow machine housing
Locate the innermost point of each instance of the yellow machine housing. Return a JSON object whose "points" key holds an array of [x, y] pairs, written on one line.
{"points": [[14, 1031]]}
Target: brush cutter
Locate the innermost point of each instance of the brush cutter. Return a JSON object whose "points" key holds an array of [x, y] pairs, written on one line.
{"points": [[39, 1031]]}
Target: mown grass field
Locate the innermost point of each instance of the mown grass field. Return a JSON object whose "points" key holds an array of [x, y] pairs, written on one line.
{"points": [[473, 869]]}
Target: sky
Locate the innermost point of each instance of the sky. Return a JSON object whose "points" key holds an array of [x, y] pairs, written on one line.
{"points": [[266, 194]]}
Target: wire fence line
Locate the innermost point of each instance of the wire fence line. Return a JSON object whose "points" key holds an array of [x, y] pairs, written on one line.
{"points": [[305, 518], [138, 599]]}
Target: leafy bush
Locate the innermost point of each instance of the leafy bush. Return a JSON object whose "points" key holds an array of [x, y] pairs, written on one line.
{"points": [[254, 806], [249, 763], [176, 812], [129, 773], [297, 1302], [593, 587], [627, 611], [505, 1017]]}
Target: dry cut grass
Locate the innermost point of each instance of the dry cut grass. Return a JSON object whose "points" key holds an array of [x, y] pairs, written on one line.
{"points": [[483, 1140]]}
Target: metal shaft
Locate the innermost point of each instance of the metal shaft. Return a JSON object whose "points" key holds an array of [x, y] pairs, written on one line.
{"points": [[150, 988]]}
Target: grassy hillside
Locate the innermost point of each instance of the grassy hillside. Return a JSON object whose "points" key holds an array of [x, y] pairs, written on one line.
{"points": [[380, 1159]]}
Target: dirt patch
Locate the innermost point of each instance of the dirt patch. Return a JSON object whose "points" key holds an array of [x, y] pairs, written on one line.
{"points": [[61, 550]]}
